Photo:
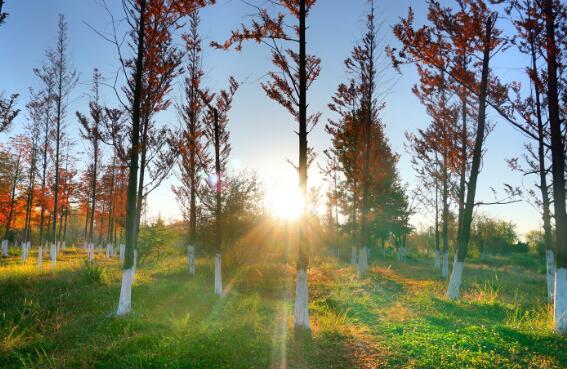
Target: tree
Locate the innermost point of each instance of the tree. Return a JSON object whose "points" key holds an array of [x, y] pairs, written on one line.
{"points": [[8, 112], [16, 164], [35, 110], [191, 145], [558, 168], [359, 143], [298, 71], [420, 47], [91, 131], [64, 78], [142, 17], [217, 135]]}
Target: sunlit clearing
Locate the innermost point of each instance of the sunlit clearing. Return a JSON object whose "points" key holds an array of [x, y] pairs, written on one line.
{"points": [[284, 200]]}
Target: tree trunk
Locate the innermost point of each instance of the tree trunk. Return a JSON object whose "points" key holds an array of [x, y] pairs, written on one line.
{"points": [[218, 209], [301, 309], [12, 198], [437, 262], [558, 170], [543, 186]]}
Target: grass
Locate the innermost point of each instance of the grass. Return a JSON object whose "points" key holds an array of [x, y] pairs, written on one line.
{"points": [[395, 318]]}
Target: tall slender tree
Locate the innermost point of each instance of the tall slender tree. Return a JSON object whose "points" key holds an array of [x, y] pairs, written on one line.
{"points": [[92, 132], [218, 137], [289, 87], [191, 144]]}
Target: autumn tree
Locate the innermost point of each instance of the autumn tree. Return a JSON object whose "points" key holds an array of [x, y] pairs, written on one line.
{"points": [[420, 46], [33, 128], [289, 86], [64, 78], [152, 23]]}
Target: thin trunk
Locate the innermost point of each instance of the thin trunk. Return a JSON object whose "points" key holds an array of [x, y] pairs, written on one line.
{"points": [[543, 186], [93, 193], [437, 240], [218, 210], [12, 198], [301, 310]]}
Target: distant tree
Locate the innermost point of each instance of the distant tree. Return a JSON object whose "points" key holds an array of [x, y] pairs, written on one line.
{"points": [[358, 138], [218, 138], [33, 128], [92, 132], [64, 79], [17, 145], [191, 145]]}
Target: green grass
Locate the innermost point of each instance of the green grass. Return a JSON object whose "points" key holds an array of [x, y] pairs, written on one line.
{"points": [[396, 318]]}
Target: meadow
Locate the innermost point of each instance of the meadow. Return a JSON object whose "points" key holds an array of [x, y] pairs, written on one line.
{"points": [[396, 317]]}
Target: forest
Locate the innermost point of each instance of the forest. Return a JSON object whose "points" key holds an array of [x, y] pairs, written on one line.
{"points": [[147, 220]]}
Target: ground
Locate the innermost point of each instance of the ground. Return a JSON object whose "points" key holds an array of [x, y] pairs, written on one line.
{"points": [[398, 317]]}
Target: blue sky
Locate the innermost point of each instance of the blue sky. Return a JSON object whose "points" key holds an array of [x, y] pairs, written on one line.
{"points": [[262, 132]]}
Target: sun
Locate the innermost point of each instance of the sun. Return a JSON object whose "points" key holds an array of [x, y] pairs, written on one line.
{"points": [[284, 200]]}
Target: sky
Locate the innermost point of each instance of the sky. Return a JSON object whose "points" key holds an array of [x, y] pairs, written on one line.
{"points": [[262, 132]]}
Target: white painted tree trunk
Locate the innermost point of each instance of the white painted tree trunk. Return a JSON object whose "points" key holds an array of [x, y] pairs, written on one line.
{"points": [[125, 300], [437, 262], [53, 255], [455, 281], [362, 261], [85, 245], [218, 275], [121, 253], [560, 303], [191, 259], [445, 266], [353, 256], [5, 248], [58, 247], [63, 245], [25, 251], [90, 252], [550, 273], [39, 257], [301, 307]]}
